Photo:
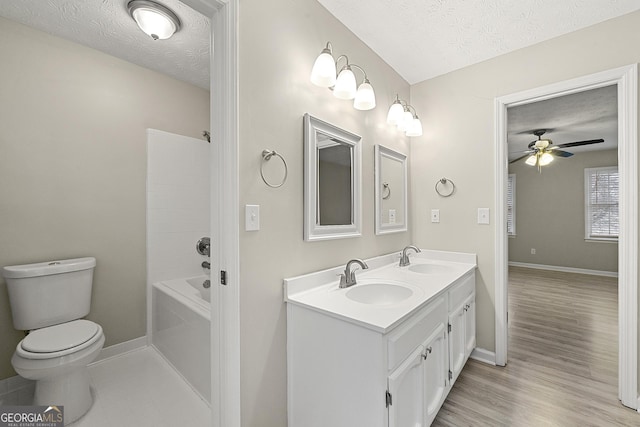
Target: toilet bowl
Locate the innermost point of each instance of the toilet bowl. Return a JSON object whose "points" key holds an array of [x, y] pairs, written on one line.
{"points": [[56, 358], [49, 300]]}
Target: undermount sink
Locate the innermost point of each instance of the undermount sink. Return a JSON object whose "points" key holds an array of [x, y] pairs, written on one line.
{"points": [[429, 268], [378, 293]]}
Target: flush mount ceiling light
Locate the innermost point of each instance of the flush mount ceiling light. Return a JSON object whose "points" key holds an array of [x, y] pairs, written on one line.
{"points": [[401, 116], [156, 20], [343, 84]]}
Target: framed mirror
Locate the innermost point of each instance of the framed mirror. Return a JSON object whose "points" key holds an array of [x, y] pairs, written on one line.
{"points": [[390, 190], [332, 195]]}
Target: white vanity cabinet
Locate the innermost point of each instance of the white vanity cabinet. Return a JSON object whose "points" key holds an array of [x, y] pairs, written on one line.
{"points": [[462, 324], [345, 373], [417, 387]]}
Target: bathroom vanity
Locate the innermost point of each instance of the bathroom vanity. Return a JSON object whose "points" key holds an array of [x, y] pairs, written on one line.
{"points": [[384, 352]]}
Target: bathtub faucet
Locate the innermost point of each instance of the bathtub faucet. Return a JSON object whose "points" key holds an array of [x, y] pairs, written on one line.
{"points": [[204, 246]]}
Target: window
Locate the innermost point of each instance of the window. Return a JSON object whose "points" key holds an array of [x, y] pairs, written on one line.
{"points": [[511, 204], [602, 187]]}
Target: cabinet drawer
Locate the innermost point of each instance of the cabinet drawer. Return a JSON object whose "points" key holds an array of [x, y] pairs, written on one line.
{"points": [[415, 331], [460, 291]]}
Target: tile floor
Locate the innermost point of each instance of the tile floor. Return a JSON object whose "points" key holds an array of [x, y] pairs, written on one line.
{"points": [[135, 389]]}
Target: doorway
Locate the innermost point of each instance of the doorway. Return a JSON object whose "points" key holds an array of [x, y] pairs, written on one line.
{"points": [[625, 78]]}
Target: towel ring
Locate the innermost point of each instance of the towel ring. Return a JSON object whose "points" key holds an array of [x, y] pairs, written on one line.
{"points": [[266, 156], [385, 187], [444, 181]]}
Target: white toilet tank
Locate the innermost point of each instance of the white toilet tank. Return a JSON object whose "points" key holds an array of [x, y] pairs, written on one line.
{"points": [[49, 293]]}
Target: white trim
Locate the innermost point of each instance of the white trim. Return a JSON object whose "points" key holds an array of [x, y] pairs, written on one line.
{"points": [[626, 80], [484, 356], [225, 234], [121, 348], [564, 269]]}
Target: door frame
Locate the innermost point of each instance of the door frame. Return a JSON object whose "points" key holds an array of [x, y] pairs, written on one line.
{"points": [[626, 80]]}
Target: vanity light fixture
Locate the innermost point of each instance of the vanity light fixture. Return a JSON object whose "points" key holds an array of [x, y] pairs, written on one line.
{"points": [[156, 20], [400, 114], [343, 84]]}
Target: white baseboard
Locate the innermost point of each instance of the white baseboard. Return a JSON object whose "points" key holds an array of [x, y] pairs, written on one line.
{"points": [[564, 269], [121, 348], [484, 356]]}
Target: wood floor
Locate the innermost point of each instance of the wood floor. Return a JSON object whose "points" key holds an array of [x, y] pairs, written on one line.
{"points": [[562, 362]]}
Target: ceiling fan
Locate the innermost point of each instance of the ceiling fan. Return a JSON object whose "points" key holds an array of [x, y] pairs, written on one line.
{"points": [[541, 152]]}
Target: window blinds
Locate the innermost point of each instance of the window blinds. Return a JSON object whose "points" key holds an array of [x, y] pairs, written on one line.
{"points": [[602, 194], [511, 204]]}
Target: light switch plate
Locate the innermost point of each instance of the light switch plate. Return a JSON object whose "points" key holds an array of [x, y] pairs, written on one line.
{"points": [[483, 215], [435, 215], [252, 217], [392, 216]]}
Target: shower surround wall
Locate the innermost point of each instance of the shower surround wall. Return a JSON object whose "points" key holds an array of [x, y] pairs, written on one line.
{"points": [[177, 206]]}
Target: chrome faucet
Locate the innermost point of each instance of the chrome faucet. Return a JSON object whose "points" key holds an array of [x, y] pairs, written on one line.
{"points": [[404, 259], [348, 278]]}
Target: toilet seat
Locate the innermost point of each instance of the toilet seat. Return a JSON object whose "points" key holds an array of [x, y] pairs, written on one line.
{"points": [[59, 340]]}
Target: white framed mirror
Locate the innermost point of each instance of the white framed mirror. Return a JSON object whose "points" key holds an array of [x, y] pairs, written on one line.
{"points": [[332, 192], [390, 190]]}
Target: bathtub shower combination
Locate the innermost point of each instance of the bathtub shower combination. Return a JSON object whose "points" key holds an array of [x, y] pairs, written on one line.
{"points": [[178, 216], [181, 329]]}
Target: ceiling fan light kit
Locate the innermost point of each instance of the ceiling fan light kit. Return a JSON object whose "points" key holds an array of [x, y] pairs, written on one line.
{"points": [[541, 152]]}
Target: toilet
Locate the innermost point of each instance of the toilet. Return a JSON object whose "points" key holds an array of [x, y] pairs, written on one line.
{"points": [[49, 299]]}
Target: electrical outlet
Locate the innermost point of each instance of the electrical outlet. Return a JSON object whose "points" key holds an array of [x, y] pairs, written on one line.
{"points": [[392, 216], [533, 251], [435, 215], [483, 215]]}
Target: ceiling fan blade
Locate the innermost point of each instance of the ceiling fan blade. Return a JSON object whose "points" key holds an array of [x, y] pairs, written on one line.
{"points": [[520, 158], [579, 143], [561, 153]]}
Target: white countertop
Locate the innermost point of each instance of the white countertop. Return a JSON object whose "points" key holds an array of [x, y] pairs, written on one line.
{"points": [[319, 291]]}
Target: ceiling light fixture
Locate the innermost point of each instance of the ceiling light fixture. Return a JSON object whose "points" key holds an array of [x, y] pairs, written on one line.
{"points": [[156, 20], [400, 115], [324, 74]]}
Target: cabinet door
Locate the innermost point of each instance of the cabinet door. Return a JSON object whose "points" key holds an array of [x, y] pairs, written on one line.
{"points": [[457, 340], [470, 326], [406, 386], [435, 372]]}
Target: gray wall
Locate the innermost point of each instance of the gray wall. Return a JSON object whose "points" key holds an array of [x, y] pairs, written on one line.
{"points": [[73, 167], [279, 41], [550, 214], [457, 110]]}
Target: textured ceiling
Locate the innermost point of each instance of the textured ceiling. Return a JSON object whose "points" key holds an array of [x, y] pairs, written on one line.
{"points": [[422, 39], [591, 114], [105, 25]]}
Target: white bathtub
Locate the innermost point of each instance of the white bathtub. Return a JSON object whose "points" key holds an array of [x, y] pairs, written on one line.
{"points": [[181, 329]]}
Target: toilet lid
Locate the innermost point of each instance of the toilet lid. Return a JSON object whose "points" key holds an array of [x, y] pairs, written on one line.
{"points": [[60, 337]]}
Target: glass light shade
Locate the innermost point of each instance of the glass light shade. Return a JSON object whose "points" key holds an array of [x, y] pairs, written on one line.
{"points": [[365, 97], [545, 159], [154, 19], [323, 73], [406, 120], [531, 160], [415, 128], [345, 87], [395, 113]]}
